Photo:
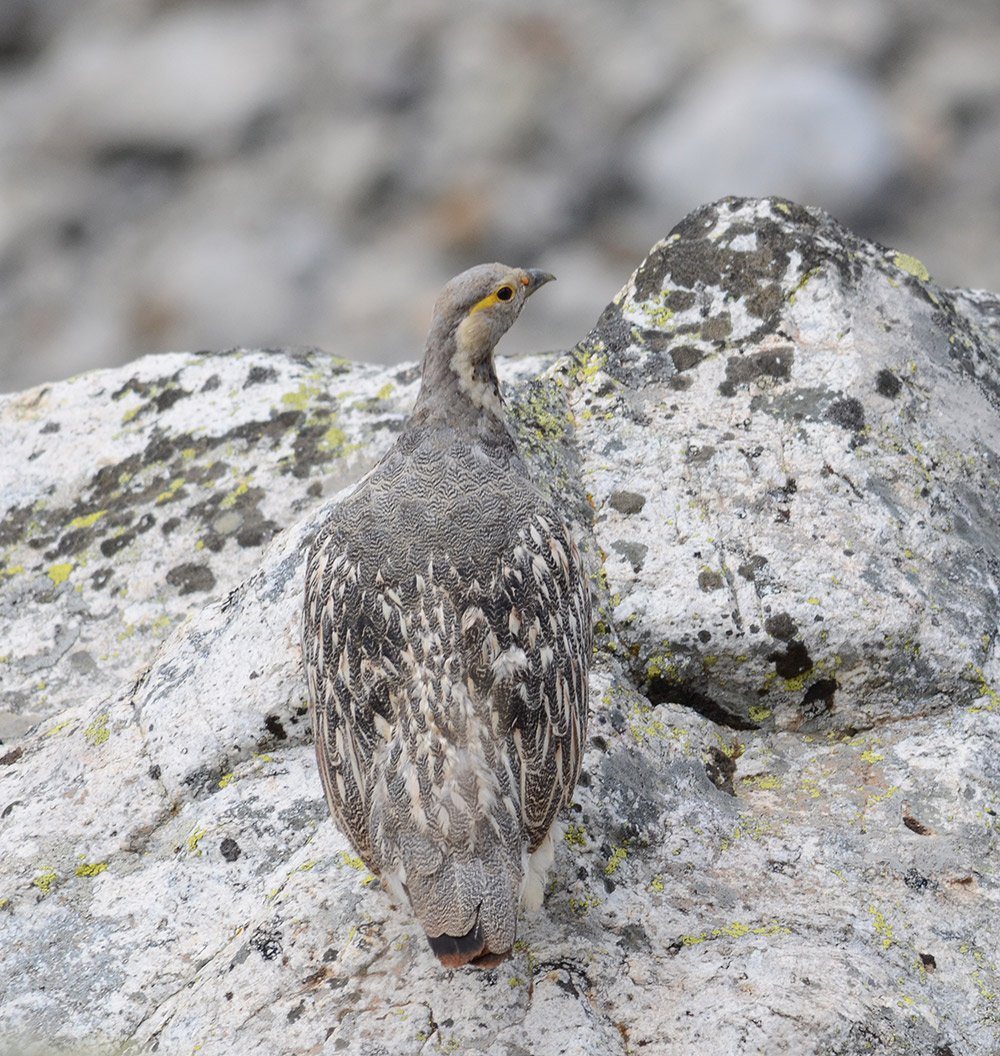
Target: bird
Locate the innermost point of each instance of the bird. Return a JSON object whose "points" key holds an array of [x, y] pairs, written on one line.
{"points": [[447, 636]]}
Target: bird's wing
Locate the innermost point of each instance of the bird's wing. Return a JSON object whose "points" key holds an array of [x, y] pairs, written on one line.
{"points": [[539, 654], [342, 631]]}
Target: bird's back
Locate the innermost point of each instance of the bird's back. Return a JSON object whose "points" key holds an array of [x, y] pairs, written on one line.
{"points": [[446, 616]]}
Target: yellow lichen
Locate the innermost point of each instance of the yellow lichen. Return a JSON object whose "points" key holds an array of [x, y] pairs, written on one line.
{"points": [[91, 868], [175, 486], [46, 880], [194, 839], [882, 927], [59, 573], [575, 835], [97, 732], [87, 520], [911, 265], [230, 500], [618, 855]]}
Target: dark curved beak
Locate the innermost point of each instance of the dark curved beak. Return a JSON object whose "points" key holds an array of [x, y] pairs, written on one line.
{"points": [[536, 279]]}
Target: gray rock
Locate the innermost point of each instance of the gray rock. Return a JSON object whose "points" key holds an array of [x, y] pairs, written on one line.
{"points": [[819, 879]]}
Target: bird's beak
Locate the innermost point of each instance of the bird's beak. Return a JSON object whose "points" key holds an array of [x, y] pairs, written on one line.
{"points": [[534, 278]]}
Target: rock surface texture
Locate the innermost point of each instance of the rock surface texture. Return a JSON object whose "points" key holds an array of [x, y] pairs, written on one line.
{"points": [[785, 838]]}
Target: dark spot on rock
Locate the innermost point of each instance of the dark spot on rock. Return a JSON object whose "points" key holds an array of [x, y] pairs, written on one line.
{"points": [[315, 490], [915, 881], [330, 954], [170, 525], [257, 375], [887, 384], [634, 553], [765, 301], [155, 772], [721, 769], [230, 849], [772, 363], [11, 757], [751, 567], [792, 662], [145, 522], [717, 328], [709, 580], [679, 383], [159, 448], [191, 577], [848, 413], [929, 963], [256, 534], [111, 546], [211, 383], [165, 400], [51, 427], [704, 637], [782, 626], [699, 455], [916, 826], [274, 727], [820, 692], [296, 1012], [635, 937], [626, 501], [686, 356], [266, 941]]}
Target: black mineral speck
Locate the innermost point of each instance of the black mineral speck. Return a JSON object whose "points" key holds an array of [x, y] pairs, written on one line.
{"points": [[230, 849], [887, 384], [274, 727], [267, 942], [721, 769], [155, 772]]}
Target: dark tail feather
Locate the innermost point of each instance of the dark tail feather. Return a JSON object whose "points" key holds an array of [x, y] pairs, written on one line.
{"points": [[455, 950]]}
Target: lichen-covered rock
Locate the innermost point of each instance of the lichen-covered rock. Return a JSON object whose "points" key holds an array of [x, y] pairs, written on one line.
{"points": [[759, 413], [811, 429]]}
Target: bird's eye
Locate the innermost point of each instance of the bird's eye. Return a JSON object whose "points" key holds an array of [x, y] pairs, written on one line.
{"points": [[505, 293]]}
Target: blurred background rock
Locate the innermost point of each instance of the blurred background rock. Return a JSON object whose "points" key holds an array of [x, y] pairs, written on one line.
{"points": [[204, 174]]}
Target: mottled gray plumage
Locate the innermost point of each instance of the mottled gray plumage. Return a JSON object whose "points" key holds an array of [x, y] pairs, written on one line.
{"points": [[447, 636]]}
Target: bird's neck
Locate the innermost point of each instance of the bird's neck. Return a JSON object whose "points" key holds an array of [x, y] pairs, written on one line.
{"points": [[460, 386]]}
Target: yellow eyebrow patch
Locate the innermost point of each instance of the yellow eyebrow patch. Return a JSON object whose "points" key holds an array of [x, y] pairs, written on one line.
{"points": [[488, 302]]}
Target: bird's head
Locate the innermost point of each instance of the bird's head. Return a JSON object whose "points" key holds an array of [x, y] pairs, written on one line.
{"points": [[472, 312]]}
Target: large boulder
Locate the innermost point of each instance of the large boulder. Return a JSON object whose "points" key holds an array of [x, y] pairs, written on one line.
{"points": [[785, 833]]}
